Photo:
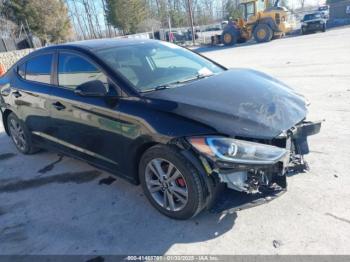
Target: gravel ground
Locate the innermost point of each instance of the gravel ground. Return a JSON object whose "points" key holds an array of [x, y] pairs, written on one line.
{"points": [[56, 205]]}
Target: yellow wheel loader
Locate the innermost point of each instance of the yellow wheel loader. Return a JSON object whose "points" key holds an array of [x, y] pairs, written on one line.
{"points": [[260, 20]]}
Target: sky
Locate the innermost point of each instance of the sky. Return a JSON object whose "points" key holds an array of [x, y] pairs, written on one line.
{"points": [[296, 3]]}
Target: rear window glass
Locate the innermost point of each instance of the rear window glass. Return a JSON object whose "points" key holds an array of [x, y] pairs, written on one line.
{"points": [[38, 69]]}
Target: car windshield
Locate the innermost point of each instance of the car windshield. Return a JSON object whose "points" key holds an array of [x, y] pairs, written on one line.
{"points": [[157, 65], [311, 17]]}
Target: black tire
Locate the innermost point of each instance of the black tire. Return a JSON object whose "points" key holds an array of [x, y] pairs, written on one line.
{"points": [[324, 28], [24, 143], [191, 176], [230, 37], [263, 33], [303, 32]]}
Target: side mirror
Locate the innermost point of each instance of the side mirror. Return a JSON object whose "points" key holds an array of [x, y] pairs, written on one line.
{"points": [[94, 88]]}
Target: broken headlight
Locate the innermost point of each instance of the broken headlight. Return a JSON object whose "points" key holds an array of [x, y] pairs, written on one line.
{"points": [[237, 151]]}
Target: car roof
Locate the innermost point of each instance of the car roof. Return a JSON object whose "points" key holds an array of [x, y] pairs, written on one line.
{"points": [[96, 44]]}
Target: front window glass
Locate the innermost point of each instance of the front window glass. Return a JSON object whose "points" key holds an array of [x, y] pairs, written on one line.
{"points": [[260, 6], [38, 69], [311, 17], [250, 9], [74, 70], [151, 65]]}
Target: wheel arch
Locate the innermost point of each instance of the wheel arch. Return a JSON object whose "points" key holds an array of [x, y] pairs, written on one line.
{"points": [[136, 157], [189, 155], [205, 178], [5, 114]]}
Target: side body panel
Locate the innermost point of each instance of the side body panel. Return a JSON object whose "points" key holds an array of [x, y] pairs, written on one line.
{"points": [[28, 100]]}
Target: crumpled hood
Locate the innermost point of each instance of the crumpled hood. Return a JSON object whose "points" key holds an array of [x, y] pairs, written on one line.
{"points": [[237, 102]]}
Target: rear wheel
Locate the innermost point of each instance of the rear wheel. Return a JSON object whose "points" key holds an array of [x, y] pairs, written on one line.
{"points": [[171, 183], [20, 135], [262, 33]]}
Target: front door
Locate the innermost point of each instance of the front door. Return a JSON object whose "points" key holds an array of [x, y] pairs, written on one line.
{"points": [[84, 126]]}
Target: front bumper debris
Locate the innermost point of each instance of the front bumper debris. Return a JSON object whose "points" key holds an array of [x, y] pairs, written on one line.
{"points": [[253, 185], [228, 201]]}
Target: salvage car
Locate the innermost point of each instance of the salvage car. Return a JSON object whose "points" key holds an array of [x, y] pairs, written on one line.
{"points": [[158, 115], [313, 22]]}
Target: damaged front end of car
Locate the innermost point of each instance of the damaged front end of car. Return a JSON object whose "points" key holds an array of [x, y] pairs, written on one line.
{"points": [[256, 167]]}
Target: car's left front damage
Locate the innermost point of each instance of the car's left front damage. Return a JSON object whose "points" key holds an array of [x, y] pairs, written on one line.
{"points": [[261, 129], [256, 167]]}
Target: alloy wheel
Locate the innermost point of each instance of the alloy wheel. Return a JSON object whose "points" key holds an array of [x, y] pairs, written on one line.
{"points": [[17, 134], [166, 184]]}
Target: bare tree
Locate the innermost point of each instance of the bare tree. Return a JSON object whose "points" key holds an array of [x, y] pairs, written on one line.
{"points": [[89, 17], [302, 3], [80, 21]]}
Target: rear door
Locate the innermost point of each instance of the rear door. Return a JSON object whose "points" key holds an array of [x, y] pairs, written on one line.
{"points": [[30, 90]]}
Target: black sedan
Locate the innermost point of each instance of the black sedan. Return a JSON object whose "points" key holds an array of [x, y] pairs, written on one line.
{"points": [[313, 22], [158, 115]]}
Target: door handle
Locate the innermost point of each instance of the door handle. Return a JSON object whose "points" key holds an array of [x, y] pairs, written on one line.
{"points": [[58, 106], [16, 94]]}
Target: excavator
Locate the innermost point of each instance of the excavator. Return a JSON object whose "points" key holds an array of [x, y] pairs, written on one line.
{"points": [[261, 19]]}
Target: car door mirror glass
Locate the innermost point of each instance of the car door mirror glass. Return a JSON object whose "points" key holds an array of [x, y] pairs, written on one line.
{"points": [[94, 88]]}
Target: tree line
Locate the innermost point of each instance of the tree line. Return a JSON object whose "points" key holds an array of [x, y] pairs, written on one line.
{"points": [[46, 19], [62, 20], [57, 20], [133, 16]]}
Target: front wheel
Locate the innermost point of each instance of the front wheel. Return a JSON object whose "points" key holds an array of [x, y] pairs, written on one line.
{"points": [[324, 28], [230, 36], [171, 183]]}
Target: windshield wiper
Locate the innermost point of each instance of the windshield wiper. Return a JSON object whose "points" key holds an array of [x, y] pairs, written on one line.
{"points": [[198, 77], [173, 84], [192, 79], [160, 87]]}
